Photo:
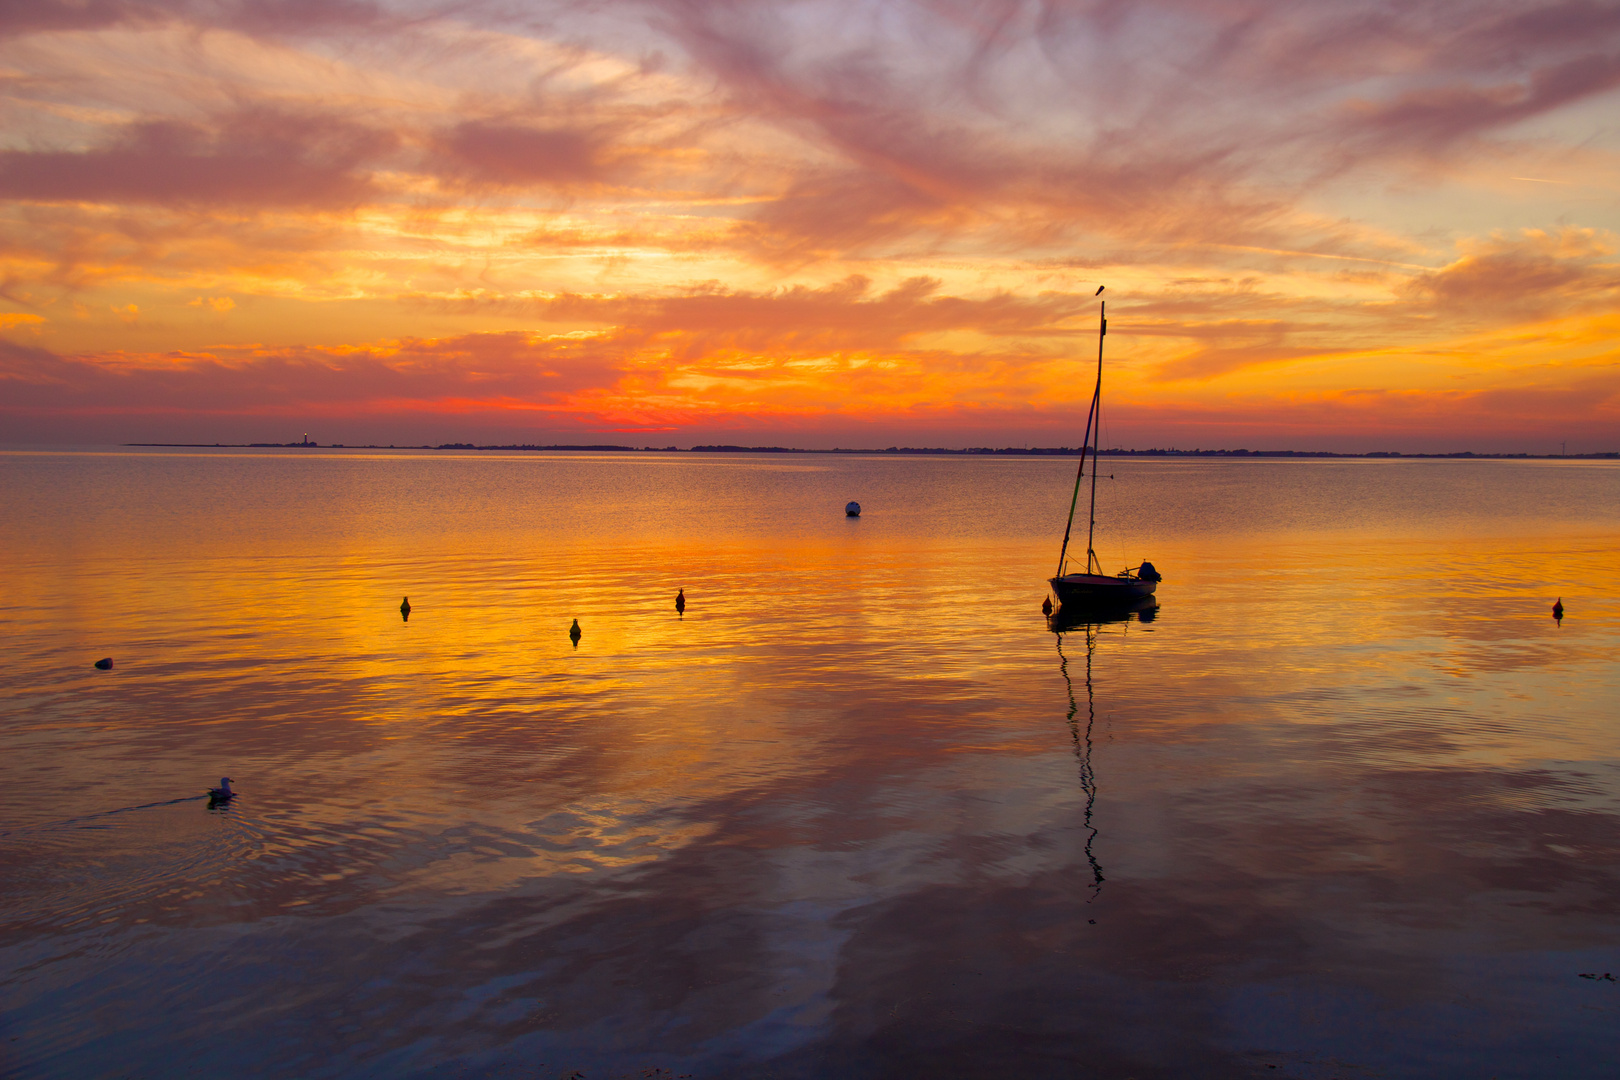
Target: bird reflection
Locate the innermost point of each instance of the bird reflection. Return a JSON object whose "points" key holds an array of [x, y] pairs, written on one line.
{"points": [[1082, 743]]}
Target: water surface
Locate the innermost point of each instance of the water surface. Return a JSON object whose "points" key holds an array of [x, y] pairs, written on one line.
{"points": [[1346, 805]]}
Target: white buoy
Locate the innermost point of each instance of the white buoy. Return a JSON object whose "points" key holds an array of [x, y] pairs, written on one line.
{"points": [[852, 509]]}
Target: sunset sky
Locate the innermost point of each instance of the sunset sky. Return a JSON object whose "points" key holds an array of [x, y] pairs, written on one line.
{"points": [[1333, 225]]}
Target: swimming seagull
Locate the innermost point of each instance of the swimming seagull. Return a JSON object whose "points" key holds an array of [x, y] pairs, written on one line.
{"points": [[223, 793], [405, 608]]}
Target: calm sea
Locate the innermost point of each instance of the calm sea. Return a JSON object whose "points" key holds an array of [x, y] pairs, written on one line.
{"points": [[1346, 805]]}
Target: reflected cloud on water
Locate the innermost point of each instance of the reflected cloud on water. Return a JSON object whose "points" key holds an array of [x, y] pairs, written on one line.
{"points": [[862, 824]]}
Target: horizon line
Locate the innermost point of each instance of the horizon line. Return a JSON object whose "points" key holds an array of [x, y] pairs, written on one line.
{"points": [[974, 451]]}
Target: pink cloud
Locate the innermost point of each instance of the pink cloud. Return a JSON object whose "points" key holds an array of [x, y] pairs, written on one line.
{"points": [[1430, 119], [492, 371], [36, 16], [497, 154], [253, 157], [300, 17]]}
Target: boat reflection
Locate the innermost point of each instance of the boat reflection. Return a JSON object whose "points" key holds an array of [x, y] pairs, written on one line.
{"points": [[1075, 616], [1082, 747], [1090, 619]]}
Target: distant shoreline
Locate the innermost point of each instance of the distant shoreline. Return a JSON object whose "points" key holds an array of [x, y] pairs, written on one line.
{"points": [[976, 451]]}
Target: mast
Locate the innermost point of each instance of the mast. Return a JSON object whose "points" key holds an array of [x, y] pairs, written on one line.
{"points": [[1096, 437], [1093, 421]]}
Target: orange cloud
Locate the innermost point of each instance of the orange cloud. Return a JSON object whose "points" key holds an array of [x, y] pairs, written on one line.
{"points": [[1530, 276]]}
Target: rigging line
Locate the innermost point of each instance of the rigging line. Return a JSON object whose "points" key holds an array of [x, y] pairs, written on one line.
{"points": [[1102, 437], [1123, 552], [1096, 408], [1074, 502]]}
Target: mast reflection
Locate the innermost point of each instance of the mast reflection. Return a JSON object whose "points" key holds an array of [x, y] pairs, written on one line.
{"points": [[1090, 621]]}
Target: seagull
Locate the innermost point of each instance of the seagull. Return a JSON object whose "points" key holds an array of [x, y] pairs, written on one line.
{"points": [[405, 608], [575, 632], [680, 602], [1558, 608], [223, 793]]}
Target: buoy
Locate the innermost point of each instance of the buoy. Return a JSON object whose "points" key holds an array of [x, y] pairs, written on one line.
{"points": [[105, 663], [223, 793], [1046, 606], [1558, 613], [852, 509], [680, 602], [405, 609], [575, 632]]}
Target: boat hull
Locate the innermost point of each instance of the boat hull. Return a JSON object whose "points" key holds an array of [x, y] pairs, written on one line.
{"points": [[1080, 589]]}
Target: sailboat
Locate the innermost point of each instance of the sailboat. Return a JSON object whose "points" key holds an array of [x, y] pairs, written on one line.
{"points": [[1091, 587]]}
